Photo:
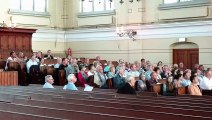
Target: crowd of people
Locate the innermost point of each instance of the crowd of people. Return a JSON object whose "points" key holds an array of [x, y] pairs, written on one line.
{"points": [[123, 74]]}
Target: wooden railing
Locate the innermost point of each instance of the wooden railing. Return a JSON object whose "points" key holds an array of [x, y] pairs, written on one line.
{"points": [[9, 78]]}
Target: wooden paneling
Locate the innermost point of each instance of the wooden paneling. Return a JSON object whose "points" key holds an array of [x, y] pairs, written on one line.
{"points": [[11, 42], [4, 42], [18, 42], [189, 57], [17, 39], [9, 78]]}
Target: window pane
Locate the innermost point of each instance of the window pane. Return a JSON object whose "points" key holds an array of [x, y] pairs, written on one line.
{"points": [[15, 4], [40, 5], [87, 6], [184, 0], [27, 5], [109, 5], [170, 1], [98, 5]]}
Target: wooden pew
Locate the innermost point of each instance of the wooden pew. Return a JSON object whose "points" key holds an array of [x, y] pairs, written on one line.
{"points": [[207, 92], [112, 110], [62, 77], [61, 113], [50, 61], [157, 88], [2, 64], [162, 81], [181, 91], [8, 115], [9, 78], [148, 101], [109, 95], [113, 104]]}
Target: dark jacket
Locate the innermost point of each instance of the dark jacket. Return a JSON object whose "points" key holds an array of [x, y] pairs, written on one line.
{"points": [[126, 89]]}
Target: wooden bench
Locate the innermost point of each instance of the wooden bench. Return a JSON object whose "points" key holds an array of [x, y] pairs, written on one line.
{"points": [[9, 78], [8, 115], [50, 61], [207, 92], [61, 113], [112, 110], [137, 106]]}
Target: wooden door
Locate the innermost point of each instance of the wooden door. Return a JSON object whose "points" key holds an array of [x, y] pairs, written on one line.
{"points": [[189, 57]]}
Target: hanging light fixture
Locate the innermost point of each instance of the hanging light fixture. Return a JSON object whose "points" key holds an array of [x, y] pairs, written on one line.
{"points": [[121, 31]]}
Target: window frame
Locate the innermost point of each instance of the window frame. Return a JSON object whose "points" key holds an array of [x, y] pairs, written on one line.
{"points": [[105, 12], [93, 8], [184, 4], [32, 12]]}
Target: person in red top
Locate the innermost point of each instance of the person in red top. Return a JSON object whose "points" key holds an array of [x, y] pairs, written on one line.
{"points": [[82, 76]]}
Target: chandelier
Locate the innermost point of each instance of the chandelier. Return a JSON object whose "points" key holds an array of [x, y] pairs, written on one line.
{"points": [[129, 32]]}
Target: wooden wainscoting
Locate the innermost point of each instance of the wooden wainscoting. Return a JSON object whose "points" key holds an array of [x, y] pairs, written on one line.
{"points": [[9, 78]]}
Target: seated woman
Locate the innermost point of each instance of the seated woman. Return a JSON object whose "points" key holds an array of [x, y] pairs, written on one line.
{"points": [[141, 83], [71, 80], [82, 76], [168, 88], [111, 73], [178, 80], [129, 87], [91, 69], [193, 89], [49, 81]]}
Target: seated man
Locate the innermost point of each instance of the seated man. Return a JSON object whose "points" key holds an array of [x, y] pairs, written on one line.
{"points": [[21, 57], [48, 82], [32, 61], [72, 67], [100, 77], [71, 80], [152, 81], [59, 62], [133, 71], [48, 55], [64, 64], [193, 89], [129, 86], [206, 82], [12, 58]]}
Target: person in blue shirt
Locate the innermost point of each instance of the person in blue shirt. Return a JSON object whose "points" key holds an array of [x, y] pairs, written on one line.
{"points": [[71, 80], [186, 78], [48, 82], [119, 80]]}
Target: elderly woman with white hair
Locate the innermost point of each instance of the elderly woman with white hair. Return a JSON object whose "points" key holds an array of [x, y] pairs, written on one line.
{"points": [[48, 82], [129, 87], [71, 80]]}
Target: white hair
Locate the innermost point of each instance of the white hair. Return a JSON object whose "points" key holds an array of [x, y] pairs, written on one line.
{"points": [[129, 78], [70, 77], [48, 77]]}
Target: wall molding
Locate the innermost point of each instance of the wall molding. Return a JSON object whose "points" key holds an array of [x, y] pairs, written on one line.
{"points": [[188, 4], [144, 32]]}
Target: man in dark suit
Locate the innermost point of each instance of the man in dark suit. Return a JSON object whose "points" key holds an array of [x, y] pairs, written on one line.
{"points": [[48, 55]]}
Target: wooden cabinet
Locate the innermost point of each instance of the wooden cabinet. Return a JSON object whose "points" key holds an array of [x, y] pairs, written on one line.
{"points": [[17, 40]]}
